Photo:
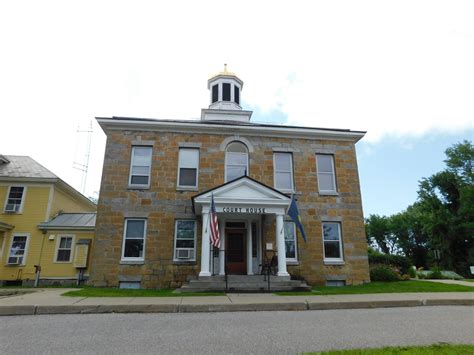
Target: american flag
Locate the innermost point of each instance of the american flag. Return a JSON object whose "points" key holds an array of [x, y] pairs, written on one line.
{"points": [[215, 237]]}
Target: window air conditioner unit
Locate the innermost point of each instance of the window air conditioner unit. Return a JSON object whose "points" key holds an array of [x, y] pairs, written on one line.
{"points": [[184, 253], [12, 207]]}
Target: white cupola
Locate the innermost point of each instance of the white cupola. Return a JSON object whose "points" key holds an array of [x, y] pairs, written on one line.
{"points": [[225, 97]]}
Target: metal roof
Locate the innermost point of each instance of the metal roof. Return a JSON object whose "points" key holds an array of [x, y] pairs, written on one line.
{"points": [[24, 167], [84, 220]]}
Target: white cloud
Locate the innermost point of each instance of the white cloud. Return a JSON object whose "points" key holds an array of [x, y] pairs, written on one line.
{"points": [[399, 68]]}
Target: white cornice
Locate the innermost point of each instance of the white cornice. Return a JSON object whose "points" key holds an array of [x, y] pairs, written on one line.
{"points": [[111, 124]]}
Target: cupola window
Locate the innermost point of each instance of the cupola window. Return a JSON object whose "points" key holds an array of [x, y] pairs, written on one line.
{"points": [[225, 92], [215, 93], [236, 95]]}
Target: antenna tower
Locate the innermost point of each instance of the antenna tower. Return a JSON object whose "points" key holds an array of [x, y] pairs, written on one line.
{"points": [[84, 165]]}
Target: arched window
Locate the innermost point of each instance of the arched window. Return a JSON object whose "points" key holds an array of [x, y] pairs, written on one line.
{"points": [[236, 161]]}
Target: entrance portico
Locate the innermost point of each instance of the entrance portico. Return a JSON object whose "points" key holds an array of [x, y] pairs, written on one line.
{"points": [[240, 205]]}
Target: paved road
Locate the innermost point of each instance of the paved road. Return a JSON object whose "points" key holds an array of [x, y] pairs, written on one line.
{"points": [[243, 332]]}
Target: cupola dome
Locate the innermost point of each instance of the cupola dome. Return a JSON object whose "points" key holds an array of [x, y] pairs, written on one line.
{"points": [[225, 97]]}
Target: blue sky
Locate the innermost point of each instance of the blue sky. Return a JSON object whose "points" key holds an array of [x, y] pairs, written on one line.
{"points": [[391, 167]]}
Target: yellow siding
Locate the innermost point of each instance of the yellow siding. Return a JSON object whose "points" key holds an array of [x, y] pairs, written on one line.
{"points": [[49, 266], [34, 211], [40, 250], [63, 201]]}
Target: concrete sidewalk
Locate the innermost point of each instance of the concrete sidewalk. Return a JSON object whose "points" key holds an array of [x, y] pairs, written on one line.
{"points": [[50, 301]]}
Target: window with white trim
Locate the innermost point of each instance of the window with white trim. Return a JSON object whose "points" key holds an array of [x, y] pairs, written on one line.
{"points": [[290, 241], [140, 166], [64, 249], [133, 248], [17, 254], [188, 166], [236, 161], [283, 171], [185, 240], [14, 200], [326, 173], [332, 242]]}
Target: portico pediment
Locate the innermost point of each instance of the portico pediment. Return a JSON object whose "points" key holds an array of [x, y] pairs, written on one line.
{"points": [[244, 193]]}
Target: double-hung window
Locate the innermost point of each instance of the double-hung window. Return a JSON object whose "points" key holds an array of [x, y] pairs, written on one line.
{"points": [[326, 173], [64, 249], [140, 167], [188, 168], [185, 240], [290, 241], [14, 202], [332, 242], [236, 161], [133, 248], [18, 250], [283, 169]]}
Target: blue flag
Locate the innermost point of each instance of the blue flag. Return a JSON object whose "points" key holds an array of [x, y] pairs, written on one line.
{"points": [[295, 216]]}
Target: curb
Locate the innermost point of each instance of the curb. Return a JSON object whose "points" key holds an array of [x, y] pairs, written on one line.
{"points": [[233, 307]]}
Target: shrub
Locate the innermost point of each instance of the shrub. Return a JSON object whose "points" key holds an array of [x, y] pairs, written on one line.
{"points": [[435, 273], [400, 261], [383, 273], [412, 272], [421, 276], [405, 277]]}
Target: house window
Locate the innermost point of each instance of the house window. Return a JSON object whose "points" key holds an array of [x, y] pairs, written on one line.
{"points": [[18, 250], [283, 171], [140, 166], [134, 240], [332, 242], [215, 93], [185, 240], [188, 167], [326, 175], [225, 92], [236, 161], [290, 242], [64, 249], [14, 200], [236, 95]]}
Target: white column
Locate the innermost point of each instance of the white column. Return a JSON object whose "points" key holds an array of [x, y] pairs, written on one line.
{"points": [[222, 250], [280, 238], [249, 248], [205, 247]]}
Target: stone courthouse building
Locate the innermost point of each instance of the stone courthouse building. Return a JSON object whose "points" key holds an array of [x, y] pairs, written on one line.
{"points": [[159, 175]]}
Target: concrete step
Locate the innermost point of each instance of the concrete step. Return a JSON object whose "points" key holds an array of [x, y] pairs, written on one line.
{"points": [[244, 283], [247, 288]]}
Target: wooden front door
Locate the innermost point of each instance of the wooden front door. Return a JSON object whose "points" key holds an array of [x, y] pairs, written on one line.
{"points": [[235, 250]]}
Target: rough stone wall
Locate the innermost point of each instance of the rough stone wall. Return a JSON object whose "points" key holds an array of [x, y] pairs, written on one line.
{"points": [[162, 204]]}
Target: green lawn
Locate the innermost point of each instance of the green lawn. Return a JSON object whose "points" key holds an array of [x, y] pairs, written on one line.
{"points": [[117, 292], [445, 349], [384, 287]]}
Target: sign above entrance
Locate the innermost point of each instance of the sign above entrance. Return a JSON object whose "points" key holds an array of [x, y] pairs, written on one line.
{"points": [[252, 210]]}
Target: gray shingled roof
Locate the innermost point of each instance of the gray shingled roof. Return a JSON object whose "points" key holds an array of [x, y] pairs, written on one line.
{"points": [[85, 220], [24, 167]]}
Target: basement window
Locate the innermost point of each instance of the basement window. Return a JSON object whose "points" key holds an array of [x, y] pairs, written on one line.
{"points": [[130, 285], [335, 283]]}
